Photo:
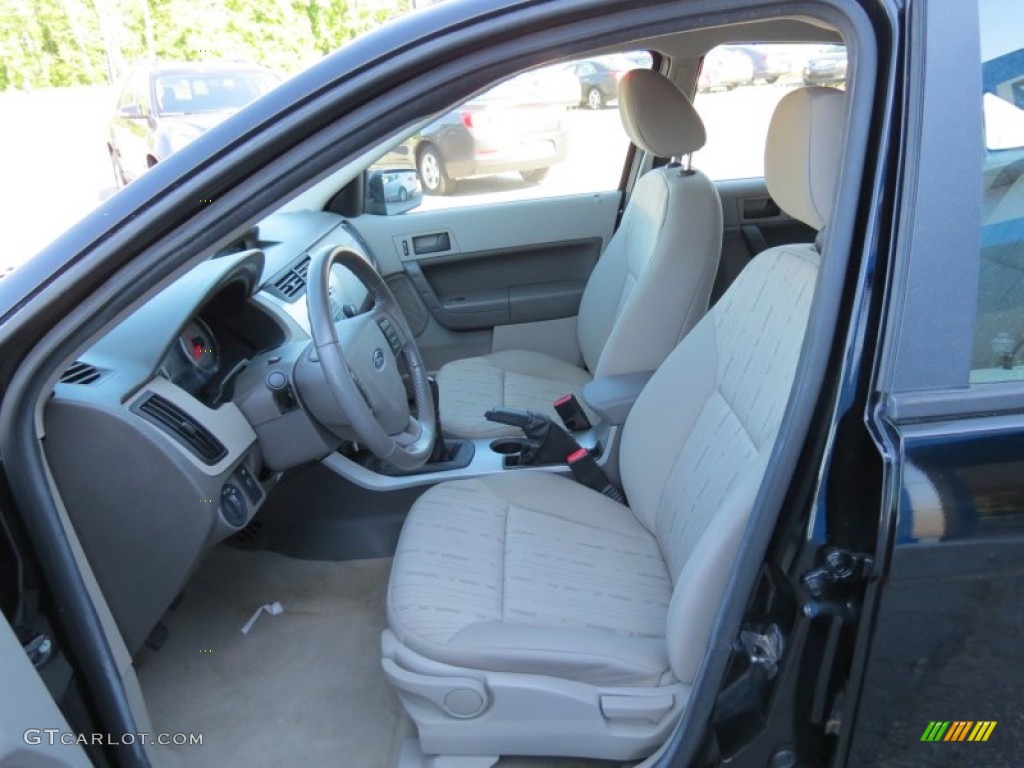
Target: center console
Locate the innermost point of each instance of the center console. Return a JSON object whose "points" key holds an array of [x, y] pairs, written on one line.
{"points": [[544, 445]]}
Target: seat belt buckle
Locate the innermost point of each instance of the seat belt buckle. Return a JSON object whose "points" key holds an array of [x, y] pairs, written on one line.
{"points": [[588, 472], [572, 413]]}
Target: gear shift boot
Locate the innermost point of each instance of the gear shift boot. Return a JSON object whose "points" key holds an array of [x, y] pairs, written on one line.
{"points": [[445, 455]]}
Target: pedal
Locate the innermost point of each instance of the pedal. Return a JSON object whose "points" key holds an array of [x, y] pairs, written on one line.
{"points": [[250, 537], [156, 639]]}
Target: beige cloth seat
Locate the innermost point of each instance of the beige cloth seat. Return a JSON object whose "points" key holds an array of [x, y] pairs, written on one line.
{"points": [[515, 378], [650, 286], [545, 577], [524, 598]]}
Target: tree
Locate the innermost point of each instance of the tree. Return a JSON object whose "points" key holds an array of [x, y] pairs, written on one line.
{"points": [[68, 42]]}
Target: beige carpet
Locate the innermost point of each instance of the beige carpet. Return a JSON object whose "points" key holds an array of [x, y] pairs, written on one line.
{"points": [[302, 688]]}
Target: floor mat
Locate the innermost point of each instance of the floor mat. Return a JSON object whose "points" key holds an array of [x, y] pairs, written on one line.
{"points": [[302, 688]]}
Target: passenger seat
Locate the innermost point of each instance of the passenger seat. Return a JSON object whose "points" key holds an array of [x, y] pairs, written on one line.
{"points": [[649, 288]]}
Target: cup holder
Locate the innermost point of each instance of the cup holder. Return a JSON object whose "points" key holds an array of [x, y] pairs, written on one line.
{"points": [[508, 446]]}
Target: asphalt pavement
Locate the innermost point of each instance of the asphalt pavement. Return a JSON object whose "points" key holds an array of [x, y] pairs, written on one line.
{"points": [[54, 164]]}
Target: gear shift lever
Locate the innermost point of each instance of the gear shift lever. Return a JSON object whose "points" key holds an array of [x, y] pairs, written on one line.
{"points": [[438, 452], [446, 455]]}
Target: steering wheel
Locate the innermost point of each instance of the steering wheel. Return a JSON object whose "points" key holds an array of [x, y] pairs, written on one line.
{"points": [[359, 358]]}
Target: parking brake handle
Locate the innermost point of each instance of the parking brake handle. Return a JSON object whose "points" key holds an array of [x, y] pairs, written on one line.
{"points": [[534, 425], [546, 442], [549, 443]]}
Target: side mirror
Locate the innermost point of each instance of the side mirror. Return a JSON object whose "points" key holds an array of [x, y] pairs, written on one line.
{"points": [[390, 191], [130, 111]]}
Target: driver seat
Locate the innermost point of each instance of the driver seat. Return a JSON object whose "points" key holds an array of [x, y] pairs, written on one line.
{"points": [[528, 614], [648, 289]]}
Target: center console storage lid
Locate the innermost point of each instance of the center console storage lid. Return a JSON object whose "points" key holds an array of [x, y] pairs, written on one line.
{"points": [[611, 397]]}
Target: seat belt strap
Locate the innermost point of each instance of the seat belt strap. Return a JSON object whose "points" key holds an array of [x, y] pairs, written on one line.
{"points": [[588, 472]]}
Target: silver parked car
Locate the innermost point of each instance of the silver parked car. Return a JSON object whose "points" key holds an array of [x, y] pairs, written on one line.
{"points": [[163, 107]]}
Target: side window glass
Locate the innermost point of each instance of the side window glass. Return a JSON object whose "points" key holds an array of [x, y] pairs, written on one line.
{"points": [[141, 94], [129, 95], [738, 88], [999, 325], [548, 132]]}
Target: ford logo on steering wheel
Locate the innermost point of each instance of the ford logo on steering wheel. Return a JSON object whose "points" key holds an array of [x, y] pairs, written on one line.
{"points": [[378, 359]]}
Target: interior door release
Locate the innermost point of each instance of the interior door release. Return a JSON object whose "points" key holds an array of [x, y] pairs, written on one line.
{"points": [[760, 208], [436, 242]]}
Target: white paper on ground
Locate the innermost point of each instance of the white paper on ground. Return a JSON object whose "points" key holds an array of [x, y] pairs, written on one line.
{"points": [[274, 609]]}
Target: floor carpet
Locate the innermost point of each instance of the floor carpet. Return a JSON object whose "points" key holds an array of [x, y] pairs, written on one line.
{"points": [[304, 687]]}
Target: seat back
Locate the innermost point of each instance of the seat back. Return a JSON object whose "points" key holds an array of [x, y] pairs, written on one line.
{"points": [[697, 441], [653, 281]]}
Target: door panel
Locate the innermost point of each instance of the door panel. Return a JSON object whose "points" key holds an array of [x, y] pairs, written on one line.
{"points": [[752, 223], [461, 272], [438, 345], [513, 285], [488, 229]]}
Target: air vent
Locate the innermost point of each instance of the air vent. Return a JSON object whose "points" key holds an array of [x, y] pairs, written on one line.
{"points": [[171, 419], [291, 284], [81, 373]]}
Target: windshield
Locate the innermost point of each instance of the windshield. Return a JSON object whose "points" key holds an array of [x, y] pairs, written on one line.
{"points": [[189, 93]]}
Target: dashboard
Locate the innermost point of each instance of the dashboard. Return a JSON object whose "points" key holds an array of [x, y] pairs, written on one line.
{"points": [[194, 360], [217, 343], [165, 436]]}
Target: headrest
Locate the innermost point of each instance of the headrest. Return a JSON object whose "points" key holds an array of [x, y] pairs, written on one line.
{"points": [[657, 116], [802, 153]]}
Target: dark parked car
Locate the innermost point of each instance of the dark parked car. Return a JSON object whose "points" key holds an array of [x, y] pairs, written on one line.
{"points": [[828, 68], [782, 525], [768, 64], [511, 127], [599, 77], [162, 107]]}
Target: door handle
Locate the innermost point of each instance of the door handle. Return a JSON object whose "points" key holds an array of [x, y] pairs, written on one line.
{"points": [[760, 208], [436, 242]]}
